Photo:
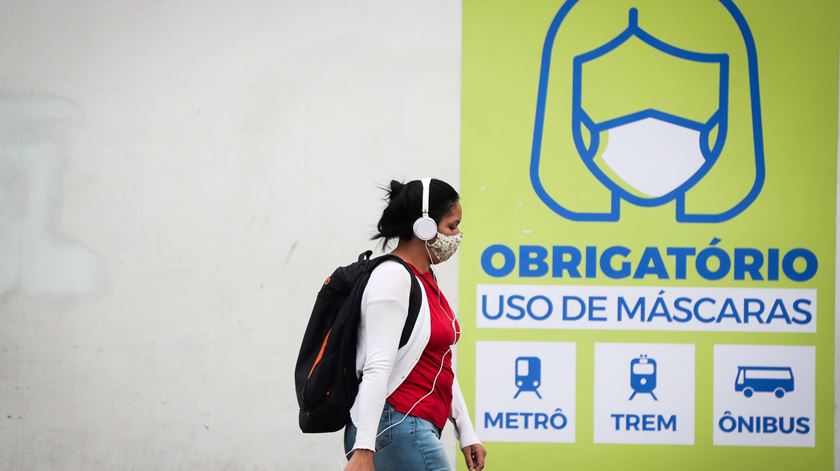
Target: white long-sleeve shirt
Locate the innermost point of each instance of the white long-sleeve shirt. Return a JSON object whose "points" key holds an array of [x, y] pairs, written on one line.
{"points": [[381, 365]]}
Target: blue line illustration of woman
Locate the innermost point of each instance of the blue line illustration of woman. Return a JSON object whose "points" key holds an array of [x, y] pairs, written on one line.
{"points": [[649, 120]]}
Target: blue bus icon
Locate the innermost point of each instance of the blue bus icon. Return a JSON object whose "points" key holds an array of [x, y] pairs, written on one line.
{"points": [[528, 375], [643, 376], [775, 379]]}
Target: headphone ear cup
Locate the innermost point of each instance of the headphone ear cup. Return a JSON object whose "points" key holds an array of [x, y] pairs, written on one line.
{"points": [[425, 228]]}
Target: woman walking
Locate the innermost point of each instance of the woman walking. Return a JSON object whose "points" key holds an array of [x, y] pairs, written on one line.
{"points": [[407, 394]]}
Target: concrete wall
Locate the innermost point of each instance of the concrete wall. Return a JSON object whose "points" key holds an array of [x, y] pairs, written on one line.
{"points": [[176, 180]]}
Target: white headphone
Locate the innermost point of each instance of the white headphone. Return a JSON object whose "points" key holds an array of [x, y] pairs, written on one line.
{"points": [[425, 228]]}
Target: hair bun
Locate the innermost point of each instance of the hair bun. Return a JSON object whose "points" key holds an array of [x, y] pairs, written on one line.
{"points": [[395, 188]]}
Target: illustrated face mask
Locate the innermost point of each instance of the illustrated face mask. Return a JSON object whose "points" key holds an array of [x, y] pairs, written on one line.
{"points": [[445, 246], [645, 142], [653, 156]]}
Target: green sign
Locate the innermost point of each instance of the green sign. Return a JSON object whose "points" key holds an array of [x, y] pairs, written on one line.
{"points": [[649, 191]]}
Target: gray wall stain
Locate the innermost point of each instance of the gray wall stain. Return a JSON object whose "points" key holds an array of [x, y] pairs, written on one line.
{"points": [[33, 257], [289, 253]]}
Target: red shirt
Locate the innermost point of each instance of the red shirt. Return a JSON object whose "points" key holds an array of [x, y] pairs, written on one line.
{"points": [[434, 408]]}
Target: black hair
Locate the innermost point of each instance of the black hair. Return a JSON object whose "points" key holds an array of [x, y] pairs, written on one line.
{"points": [[405, 205]]}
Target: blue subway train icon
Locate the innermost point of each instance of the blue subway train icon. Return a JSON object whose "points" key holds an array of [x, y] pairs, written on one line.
{"points": [[528, 375], [643, 376], [770, 379]]}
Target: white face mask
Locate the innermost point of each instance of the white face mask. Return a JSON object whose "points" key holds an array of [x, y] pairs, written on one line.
{"points": [[445, 246], [652, 156]]}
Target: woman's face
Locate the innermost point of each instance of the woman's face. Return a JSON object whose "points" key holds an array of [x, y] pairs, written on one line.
{"points": [[450, 223]]}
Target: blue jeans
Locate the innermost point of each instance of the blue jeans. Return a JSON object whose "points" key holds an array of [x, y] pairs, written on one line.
{"points": [[413, 445]]}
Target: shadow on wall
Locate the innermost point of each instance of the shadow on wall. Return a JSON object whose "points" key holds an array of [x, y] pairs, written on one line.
{"points": [[33, 259]]}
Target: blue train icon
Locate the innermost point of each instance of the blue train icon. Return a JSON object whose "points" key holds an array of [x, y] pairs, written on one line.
{"points": [[643, 376], [528, 375]]}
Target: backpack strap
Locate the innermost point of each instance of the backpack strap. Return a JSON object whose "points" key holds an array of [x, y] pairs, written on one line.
{"points": [[414, 300], [415, 297]]}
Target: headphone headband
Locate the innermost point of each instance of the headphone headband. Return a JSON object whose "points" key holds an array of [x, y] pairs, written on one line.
{"points": [[427, 182], [425, 228]]}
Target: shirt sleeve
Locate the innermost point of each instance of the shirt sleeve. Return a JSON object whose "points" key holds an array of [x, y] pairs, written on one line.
{"points": [[384, 312], [460, 417]]}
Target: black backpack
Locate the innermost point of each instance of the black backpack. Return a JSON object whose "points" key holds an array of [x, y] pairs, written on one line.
{"points": [[325, 373]]}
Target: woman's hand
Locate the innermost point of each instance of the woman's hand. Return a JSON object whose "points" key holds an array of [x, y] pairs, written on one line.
{"points": [[474, 454], [362, 460]]}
